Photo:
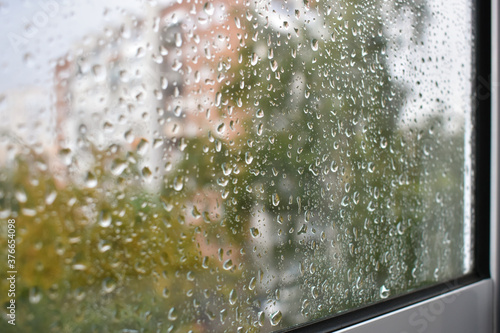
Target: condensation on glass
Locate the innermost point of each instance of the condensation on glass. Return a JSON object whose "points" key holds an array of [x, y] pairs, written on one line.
{"points": [[191, 166]]}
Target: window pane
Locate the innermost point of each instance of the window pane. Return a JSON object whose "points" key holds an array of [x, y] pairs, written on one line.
{"points": [[180, 166]]}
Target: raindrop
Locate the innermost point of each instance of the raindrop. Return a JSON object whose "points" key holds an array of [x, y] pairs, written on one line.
{"points": [[21, 196], [254, 59], [384, 292], [218, 98], [252, 284], [147, 174], [142, 147], [383, 142], [108, 285], [35, 295], [172, 314], [228, 264], [314, 45], [371, 167], [165, 293], [208, 8], [90, 180], [178, 39], [105, 219], [204, 262], [103, 246], [334, 167], [248, 157], [50, 198], [221, 128], [226, 169], [178, 183], [79, 267], [99, 72], [276, 318], [254, 232], [274, 65], [314, 292], [28, 59], [178, 111], [275, 199], [233, 297], [261, 318], [118, 166], [164, 83]]}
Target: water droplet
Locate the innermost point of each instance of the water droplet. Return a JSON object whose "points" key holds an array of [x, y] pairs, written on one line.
{"points": [[90, 180], [178, 111], [384, 292], [315, 44], [334, 166], [142, 147], [276, 318], [50, 198], [108, 285], [218, 98], [314, 292], [21, 196], [103, 246], [29, 60], [221, 128], [105, 219], [261, 318], [248, 157], [141, 52], [208, 8], [79, 267], [223, 315], [254, 232], [233, 297], [79, 294], [204, 262], [228, 264], [383, 142], [164, 83], [118, 166], [274, 65], [172, 314], [226, 169], [371, 167], [254, 59], [99, 73], [275, 199], [178, 183], [147, 174], [35, 295], [178, 39], [252, 284]]}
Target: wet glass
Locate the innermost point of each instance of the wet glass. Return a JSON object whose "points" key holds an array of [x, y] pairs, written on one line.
{"points": [[192, 166]]}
